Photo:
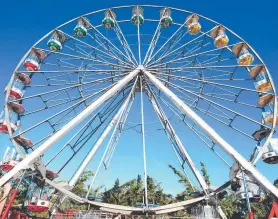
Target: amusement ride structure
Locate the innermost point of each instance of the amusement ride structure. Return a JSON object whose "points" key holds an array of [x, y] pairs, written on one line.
{"points": [[80, 80]]}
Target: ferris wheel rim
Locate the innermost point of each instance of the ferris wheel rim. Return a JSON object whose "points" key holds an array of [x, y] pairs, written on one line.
{"points": [[129, 6], [7, 118]]}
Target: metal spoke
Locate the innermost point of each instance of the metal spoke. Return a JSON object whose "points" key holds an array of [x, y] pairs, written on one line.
{"points": [[99, 115], [169, 39], [92, 47], [216, 104], [153, 43], [139, 41], [107, 40], [203, 137], [177, 49], [123, 40], [176, 141], [193, 55]]}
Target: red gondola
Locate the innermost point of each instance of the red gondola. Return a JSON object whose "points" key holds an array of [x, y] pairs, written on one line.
{"points": [[32, 63], [15, 93], [10, 159], [4, 127]]}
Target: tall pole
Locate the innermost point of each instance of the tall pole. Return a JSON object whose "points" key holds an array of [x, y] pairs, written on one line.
{"points": [[32, 157], [214, 135], [139, 40], [144, 144]]}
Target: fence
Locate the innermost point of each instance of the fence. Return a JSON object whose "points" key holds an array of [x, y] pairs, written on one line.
{"points": [[198, 213]]}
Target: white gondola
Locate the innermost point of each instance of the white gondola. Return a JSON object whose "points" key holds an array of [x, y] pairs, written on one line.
{"points": [[56, 41], [17, 90], [109, 19], [244, 57], [271, 155], [137, 15], [220, 37], [165, 17], [193, 25], [254, 192]]}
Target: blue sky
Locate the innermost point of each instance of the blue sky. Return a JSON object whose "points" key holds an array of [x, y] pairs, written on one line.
{"points": [[23, 23]]}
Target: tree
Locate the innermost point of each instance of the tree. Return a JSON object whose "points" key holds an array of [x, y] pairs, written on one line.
{"points": [[80, 187], [185, 195], [114, 195], [205, 173], [132, 192]]}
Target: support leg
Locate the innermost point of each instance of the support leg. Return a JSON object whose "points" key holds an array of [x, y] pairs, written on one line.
{"points": [[7, 209], [274, 210], [7, 189]]}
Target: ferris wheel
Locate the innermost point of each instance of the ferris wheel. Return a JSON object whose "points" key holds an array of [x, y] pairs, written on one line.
{"points": [[79, 82]]}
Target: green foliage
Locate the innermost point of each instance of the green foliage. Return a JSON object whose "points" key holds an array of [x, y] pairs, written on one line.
{"points": [[132, 193], [80, 187], [229, 205], [205, 173], [186, 194]]}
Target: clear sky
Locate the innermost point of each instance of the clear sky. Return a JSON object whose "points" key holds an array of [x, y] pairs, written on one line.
{"points": [[24, 22]]}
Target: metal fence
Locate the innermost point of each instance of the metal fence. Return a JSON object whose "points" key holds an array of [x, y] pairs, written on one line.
{"points": [[198, 213], [105, 215]]}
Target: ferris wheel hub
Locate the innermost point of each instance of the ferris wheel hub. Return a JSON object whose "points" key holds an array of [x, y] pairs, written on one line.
{"points": [[140, 68]]}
